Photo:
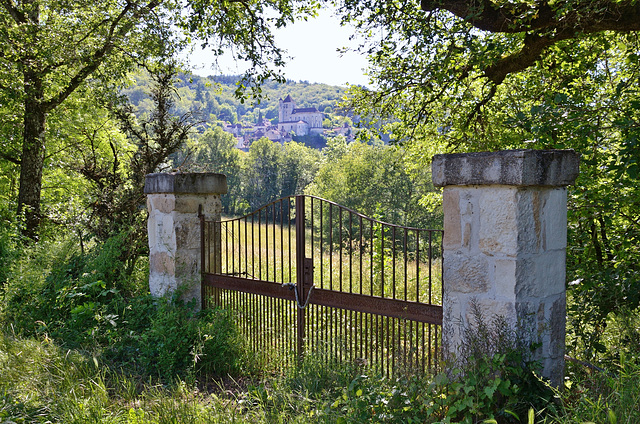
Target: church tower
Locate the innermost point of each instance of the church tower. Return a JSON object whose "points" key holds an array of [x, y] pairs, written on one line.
{"points": [[286, 109]]}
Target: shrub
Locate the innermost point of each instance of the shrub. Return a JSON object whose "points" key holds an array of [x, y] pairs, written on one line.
{"points": [[495, 373], [494, 379], [99, 302]]}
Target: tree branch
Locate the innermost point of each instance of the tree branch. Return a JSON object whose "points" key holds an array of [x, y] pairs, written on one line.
{"points": [[13, 11], [485, 15], [543, 26], [10, 158], [98, 56]]}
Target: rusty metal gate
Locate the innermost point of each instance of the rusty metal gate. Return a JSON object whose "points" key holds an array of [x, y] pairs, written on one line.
{"points": [[306, 275]]}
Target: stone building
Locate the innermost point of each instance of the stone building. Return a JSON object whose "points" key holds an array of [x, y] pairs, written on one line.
{"points": [[301, 121]]}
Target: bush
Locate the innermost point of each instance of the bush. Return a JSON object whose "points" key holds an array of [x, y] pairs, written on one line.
{"points": [[494, 379], [99, 302]]}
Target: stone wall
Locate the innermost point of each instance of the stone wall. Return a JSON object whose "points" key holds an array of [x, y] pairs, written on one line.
{"points": [[173, 202], [505, 231]]}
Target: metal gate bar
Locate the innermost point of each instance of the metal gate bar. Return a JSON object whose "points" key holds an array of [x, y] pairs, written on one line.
{"points": [[361, 290]]}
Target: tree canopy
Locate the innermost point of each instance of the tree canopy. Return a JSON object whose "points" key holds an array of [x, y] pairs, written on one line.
{"points": [[50, 49], [459, 75]]}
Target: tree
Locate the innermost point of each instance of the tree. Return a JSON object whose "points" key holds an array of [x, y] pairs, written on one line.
{"points": [[374, 179], [261, 172], [485, 75], [118, 182], [215, 151], [50, 49], [451, 56], [300, 165]]}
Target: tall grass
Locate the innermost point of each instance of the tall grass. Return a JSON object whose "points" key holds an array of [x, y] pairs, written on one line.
{"points": [[268, 252], [367, 267]]}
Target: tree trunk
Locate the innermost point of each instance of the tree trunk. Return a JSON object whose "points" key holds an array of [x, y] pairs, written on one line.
{"points": [[33, 150]]}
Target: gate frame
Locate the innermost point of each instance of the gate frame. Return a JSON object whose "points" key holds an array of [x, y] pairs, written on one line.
{"points": [[376, 305]]}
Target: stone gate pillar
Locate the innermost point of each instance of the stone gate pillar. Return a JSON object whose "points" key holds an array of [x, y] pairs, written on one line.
{"points": [[505, 238], [173, 200]]}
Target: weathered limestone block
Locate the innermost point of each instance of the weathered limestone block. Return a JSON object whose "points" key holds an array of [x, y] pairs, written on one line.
{"points": [[505, 226], [173, 202]]}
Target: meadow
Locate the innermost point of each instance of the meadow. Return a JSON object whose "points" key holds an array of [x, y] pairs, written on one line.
{"points": [[82, 341]]}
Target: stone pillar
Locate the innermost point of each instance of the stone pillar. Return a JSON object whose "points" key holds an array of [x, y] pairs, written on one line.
{"points": [[505, 238], [173, 200]]}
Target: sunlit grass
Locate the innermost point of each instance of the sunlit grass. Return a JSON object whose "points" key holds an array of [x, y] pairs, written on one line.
{"points": [[40, 382], [268, 252], [362, 266]]}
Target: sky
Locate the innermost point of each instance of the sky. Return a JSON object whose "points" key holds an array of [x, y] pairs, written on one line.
{"points": [[312, 46]]}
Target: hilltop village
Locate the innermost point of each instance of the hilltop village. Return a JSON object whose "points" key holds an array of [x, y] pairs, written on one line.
{"points": [[292, 121]]}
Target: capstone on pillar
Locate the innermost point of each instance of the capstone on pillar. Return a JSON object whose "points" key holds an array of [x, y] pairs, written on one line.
{"points": [[173, 201], [505, 239]]}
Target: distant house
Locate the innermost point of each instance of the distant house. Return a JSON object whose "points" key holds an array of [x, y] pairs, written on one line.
{"points": [[300, 121]]}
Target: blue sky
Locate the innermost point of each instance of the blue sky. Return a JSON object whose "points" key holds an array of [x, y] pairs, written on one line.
{"points": [[312, 46]]}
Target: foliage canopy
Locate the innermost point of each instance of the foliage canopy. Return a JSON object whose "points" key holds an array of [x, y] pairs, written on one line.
{"points": [[464, 75]]}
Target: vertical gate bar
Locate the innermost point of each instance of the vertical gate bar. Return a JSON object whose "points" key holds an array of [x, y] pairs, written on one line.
{"points": [[272, 331], [393, 261], [281, 330], [334, 323], [256, 328], [290, 246], [406, 247], [437, 348], [260, 245], [417, 265], [382, 260], [282, 242], [330, 246], [266, 242], [340, 337], [244, 320], [367, 339], [263, 324], [360, 247], [378, 348], [364, 338], [233, 250], [389, 348], [350, 235], [413, 351], [311, 330], [300, 256], [208, 246], [392, 345], [371, 248], [312, 226], [275, 251], [381, 346], [321, 246], [340, 244], [349, 336], [430, 346], [239, 237], [226, 245], [429, 259], [253, 246], [251, 323], [357, 335], [246, 250]]}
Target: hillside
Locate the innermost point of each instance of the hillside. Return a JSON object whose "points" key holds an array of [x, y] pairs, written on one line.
{"points": [[214, 98]]}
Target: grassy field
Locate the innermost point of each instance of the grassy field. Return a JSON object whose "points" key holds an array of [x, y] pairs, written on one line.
{"points": [[40, 382], [81, 342], [360, 263]]}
